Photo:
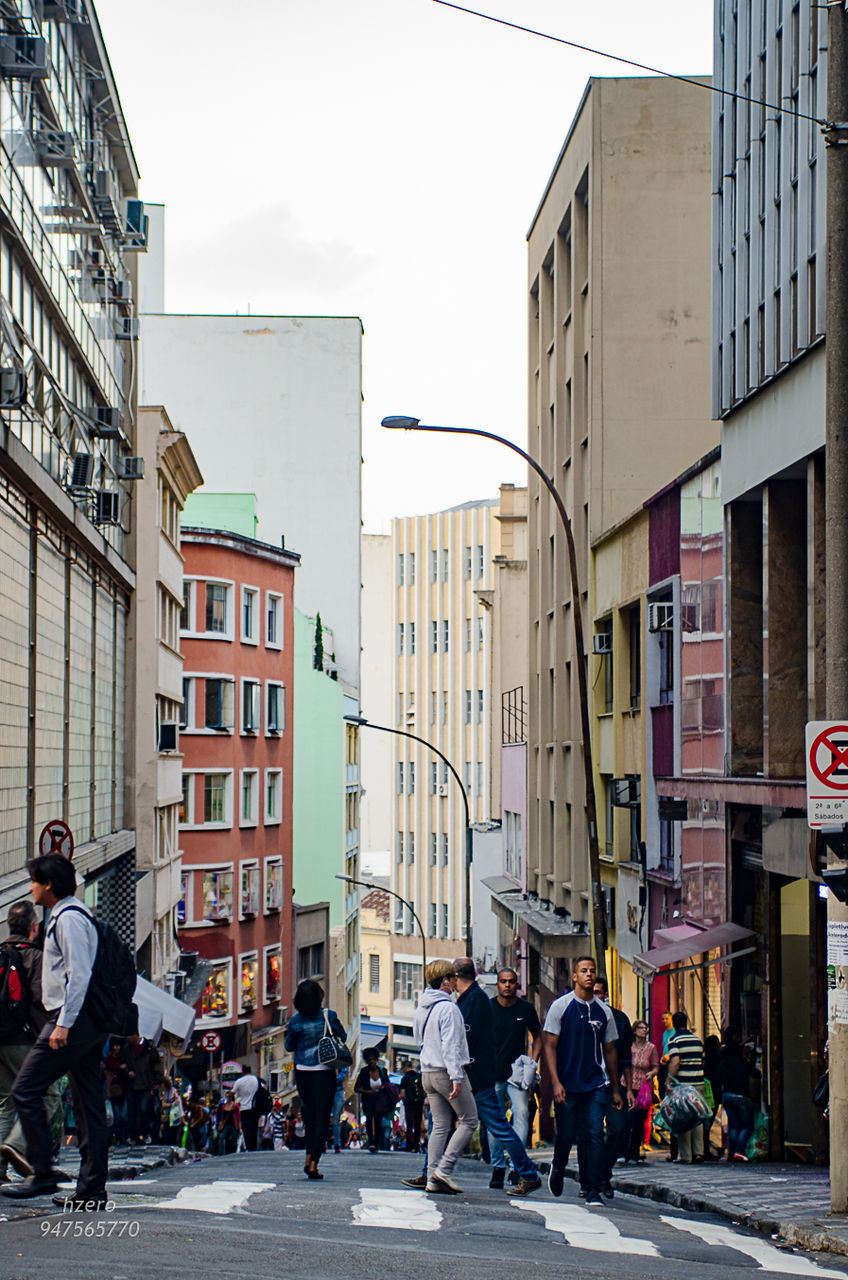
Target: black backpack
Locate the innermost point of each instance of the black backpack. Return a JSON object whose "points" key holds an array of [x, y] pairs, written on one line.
{"points": [[261, 1100], [109, 999], [14, 994]]}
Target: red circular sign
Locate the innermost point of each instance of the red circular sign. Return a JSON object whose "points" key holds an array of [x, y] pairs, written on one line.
{"points": [[56, 837], [211, 1041], [838, 757]]}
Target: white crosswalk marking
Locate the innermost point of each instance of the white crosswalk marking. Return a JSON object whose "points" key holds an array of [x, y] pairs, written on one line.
{"points": [[405, 1210], [214, 1197], [585, 1230], [767, 1255]]}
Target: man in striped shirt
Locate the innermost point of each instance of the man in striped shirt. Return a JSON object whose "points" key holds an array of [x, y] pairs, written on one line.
{"points": [[686, 1066]]}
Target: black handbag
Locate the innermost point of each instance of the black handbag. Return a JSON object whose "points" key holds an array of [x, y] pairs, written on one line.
{"points": [[332, 1052]]}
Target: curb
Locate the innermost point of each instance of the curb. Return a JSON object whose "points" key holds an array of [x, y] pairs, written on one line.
{"points": [[126, 1172]]}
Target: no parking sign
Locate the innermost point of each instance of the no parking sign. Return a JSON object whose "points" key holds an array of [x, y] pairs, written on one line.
{"points": [[827, 772]]}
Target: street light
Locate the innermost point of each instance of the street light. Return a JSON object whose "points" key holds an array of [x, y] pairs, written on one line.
{"points": [[368, 884], [469, 835], [599, 924]]}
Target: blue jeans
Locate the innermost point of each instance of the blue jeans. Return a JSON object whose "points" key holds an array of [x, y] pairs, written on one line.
{"points": [[501, 1133], [740, 1121], [580, 1119], [336, 1114], [519, 1100]]}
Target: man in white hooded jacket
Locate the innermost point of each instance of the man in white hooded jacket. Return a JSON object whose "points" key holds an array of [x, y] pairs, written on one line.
{"points": [[440, 1031]]}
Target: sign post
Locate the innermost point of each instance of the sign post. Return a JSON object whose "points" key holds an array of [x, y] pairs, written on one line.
{"points": [[211, 1042]]}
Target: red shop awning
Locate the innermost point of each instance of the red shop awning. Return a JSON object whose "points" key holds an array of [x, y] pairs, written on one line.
{"points": [[649, 963]]}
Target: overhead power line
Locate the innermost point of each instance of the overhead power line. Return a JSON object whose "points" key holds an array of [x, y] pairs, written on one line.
{"points": [[627, 62]]}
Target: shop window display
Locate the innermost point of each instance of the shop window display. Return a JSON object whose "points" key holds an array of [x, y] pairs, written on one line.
{"points": [[249, 971], [273, 964], [215, 1001]]}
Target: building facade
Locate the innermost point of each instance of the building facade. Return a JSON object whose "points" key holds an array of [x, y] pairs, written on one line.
{"points": [[237, 636], [70, 227]]}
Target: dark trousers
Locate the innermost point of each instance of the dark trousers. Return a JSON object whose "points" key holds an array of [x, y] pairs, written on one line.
{"points": [[316, 1089], [373, 1121], [636, 1119], [493, 1118], [80, 1061], [414, 1112], [580, 1120], [140, 1113], [615, 1142], [250, 1128]]}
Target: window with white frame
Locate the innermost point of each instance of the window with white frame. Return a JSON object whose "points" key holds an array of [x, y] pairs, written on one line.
{"points": [[411, 629], [249, 875], [467, 635], [169, 513], [185, 904], [410, 562], [251, 706], [445, 564], [444, 919], [273, 796], [443, 839], [481, 563], [275, 718], [216, 799], [374, 970], [187, 618], [407, 980], [412, 777], [434, 920], [479, 777], [273, 885], [273, 620], [434, 778], [400, 638], [217, 608], [250, 615], [479, 706], [445, 635], [480, 633], [466, 563], [434, 851], [219, 704], [433, 704], [187, 709], [273, 974], [400, 563], [468, 698], [216, 999], [169, 618], [249, 798], [513, 855], [434, 637], [248, 981], [218, 894], [434, 566], [400, 778], [186, 812]]}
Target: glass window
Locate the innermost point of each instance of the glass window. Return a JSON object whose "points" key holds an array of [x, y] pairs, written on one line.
{"points": [[412, 638], [276, 721], [187, 613], [466, 563], [468, 706], [250, 713], [412, 777], [410, 847], [434, 566], [444, 842], [634, 626], [480, 633], [216, 607], [250, 891], [445, 635], [400, 568], [411, 567], [273, 620], [248, 614], [248, 797], [444, 919], [400, 778], [479, 706], [185, 801], [273, 973], [400, 638], [219, 704], [481, 564], [249, 997], [407, 980], [184, 906], [434, 777], [215, 797], [374, 974], [217, 895], [434, 856], [445, 564], [479, 777], [215, 1000], [184, 710], [273, 795], [434, 637], [467, 635], [273, 886], [434, 920]]}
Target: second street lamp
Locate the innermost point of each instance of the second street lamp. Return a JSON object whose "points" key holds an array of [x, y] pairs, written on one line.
{"points": [[369, 884], [469, 834], [599, 924]]}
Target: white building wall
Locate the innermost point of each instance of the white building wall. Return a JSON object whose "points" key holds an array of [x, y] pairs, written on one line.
{"points": [[376, 747]]}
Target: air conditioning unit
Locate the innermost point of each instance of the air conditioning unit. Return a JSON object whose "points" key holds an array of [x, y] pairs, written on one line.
{"points": [[120, 291], [23, 57], [135, 227], [661, 615], [127, 330], [442, 788], [108, 422], [106, 198], [602, 642], [64, 10], [168, 735], [176, 980], [55, 149], [279, 1016], [82, 471], [107, 507], [132, 469], [13, 388]]}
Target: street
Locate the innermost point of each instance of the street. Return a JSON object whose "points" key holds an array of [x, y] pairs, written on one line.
{"points": [[257, 1215]]}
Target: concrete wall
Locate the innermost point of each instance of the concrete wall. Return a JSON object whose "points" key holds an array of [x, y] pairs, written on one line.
{"points": [[272, 406], [376, 747]]}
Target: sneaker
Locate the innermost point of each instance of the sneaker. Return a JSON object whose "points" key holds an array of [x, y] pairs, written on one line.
{"points": [[443, 1185], [417, 1184], [497, 1179], [594, 1200], [607, 1191], [513, 1178], [17, 1160], [525, 1185], [556, 1181]]}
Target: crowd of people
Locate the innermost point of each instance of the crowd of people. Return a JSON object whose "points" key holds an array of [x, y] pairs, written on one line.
{"points": [[613, 1090]]}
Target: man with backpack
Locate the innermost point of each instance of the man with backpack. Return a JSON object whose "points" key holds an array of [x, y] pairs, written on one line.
{"points": [[70, 1043], [254, 1102]]}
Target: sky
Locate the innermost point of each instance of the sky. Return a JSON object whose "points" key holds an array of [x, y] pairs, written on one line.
{"points": [[378, 158]]}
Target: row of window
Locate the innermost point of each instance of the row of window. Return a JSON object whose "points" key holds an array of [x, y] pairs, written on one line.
{"points": [[209, 703], [206, 893], [213, 602], [473, 564], [439, 848], [207, 799], [406, 778], [440, 636], [216, 1002]]}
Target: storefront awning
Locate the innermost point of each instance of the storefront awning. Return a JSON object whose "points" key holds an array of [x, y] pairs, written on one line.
{"points": [[372, 1035], [514, 908], [160, 1012], [648, 963]]}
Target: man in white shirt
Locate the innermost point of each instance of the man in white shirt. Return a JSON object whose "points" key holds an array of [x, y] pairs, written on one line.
{"points": [[244, 1092], [69, 1043]]}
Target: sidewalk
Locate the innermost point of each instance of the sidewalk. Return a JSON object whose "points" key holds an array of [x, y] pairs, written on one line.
{"points": [[791, 1201], [127, 1162]]}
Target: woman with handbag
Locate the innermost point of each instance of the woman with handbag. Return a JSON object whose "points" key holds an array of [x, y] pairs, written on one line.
{"points": [[376, 1093], [645, 1067], [317, 1039]]}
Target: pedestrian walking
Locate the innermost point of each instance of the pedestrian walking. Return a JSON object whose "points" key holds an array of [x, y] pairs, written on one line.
{"points": [[515, 1027], [412, 1093], [739, 1083], [580, 1036], [245, 1090], [22, 1017], [68, 1044], [227, 1125], [144, 1072], [686, 1066], [646, 1063], [316, 1083], [117, 1086], [375, 1094], [440, 1031], [616, 1118], [335, 1134], [476, 1009], [278, 1122]]}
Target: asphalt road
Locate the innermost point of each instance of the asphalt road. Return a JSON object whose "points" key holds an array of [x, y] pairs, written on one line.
{"points": [[257, 1216]]}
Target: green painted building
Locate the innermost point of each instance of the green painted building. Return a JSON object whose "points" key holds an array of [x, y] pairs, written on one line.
{"points": [[235, 512]]}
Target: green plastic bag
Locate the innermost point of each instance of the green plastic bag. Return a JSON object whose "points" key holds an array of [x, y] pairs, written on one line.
{"points": [[758, 1143]]}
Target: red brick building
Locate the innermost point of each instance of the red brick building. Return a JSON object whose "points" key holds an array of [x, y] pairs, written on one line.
{"points": [[237, 639]]}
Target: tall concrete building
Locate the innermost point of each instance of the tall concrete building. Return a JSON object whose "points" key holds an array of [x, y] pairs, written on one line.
{"points": [[618, 391], [377, 663], [70, 228]]}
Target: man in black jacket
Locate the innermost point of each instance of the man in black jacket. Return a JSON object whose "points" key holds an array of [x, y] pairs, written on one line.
{"points": [[615, 1143], [476, 1009]]}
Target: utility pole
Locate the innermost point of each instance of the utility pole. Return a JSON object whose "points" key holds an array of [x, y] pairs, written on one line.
{"points": [[836, 520]]}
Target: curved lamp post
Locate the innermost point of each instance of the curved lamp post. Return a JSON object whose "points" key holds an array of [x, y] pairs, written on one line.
{"points": [[599, 924], [368, 884], [469, 835]]}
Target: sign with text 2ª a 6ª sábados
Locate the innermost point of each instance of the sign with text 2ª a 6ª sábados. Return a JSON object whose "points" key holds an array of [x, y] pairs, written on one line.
{"points": [[827, 772]]}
